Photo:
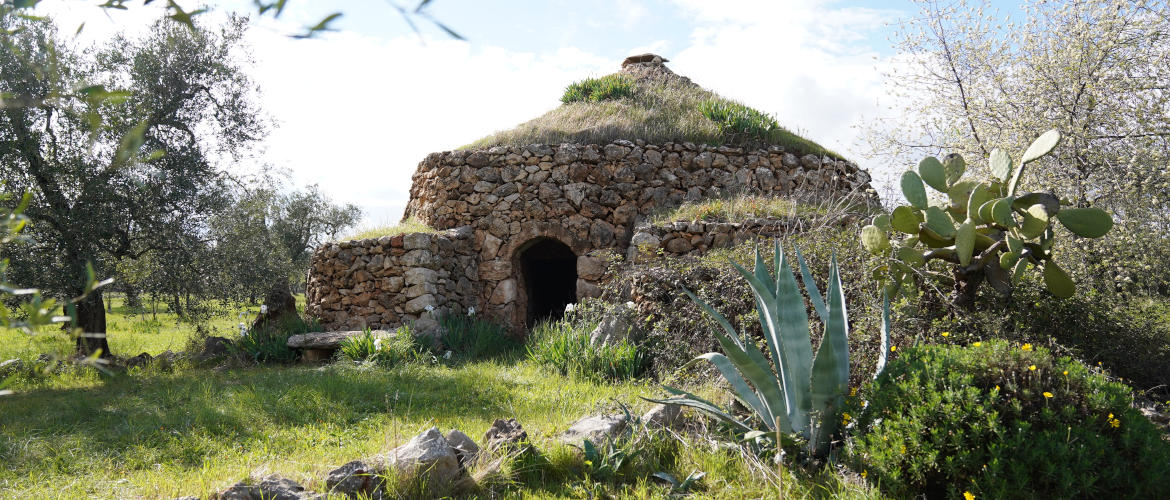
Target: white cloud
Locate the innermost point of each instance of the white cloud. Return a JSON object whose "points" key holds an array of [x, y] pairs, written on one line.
{"points": [[807, 62], [357, 114]]}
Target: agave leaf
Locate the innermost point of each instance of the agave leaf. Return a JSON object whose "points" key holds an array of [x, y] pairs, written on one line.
{"points": [[731, 373], [787, 334], [698, 403], [752, 364], [810, 285], [882, 358], [830, 370]]}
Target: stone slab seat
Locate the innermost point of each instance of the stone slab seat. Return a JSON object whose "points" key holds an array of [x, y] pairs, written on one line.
{"points": [[320, 346]]}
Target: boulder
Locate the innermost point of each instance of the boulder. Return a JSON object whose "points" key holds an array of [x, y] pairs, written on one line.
{"points": [[355, 478], [614, 327], [663, 416], [328, 340], [464, 447], [596, 429], [139, 360], [431, 455], [214, 347], [504, 435]]}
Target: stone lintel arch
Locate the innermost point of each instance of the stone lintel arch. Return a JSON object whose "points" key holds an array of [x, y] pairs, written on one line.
{"points": [[508, 298]]}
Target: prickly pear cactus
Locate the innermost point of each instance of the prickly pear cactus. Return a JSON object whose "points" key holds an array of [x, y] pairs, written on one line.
{"points": [[987, 230]]}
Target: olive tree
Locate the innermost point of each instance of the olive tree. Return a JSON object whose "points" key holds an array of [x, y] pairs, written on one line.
{"points": [[117, 146]]}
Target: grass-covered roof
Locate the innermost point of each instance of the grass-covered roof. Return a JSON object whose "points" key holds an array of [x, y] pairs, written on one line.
{"points": [[647, 101]]}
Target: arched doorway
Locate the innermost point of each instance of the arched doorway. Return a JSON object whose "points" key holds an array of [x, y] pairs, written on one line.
{"points": [[549, 273]]}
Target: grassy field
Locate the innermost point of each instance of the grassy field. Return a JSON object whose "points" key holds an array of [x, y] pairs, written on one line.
{"points": [[131, 331], [187, 430]]}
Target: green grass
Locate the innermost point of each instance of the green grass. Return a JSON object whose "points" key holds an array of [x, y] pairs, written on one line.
{"points": [[190, 430], [410, 225], [740, 208], [656, 110], [194, 431], [132, 331]]}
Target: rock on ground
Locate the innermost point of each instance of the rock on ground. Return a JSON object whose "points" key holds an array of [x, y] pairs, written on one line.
{"points": [[663, 416], [596, 429], [504, 435], [270, 488]]}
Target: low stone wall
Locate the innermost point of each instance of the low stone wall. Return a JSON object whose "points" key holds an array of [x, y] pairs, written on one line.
{"points": [[597, 191], [389, 281]]}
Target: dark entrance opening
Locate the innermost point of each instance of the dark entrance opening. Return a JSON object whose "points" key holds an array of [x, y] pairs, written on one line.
{"points": [[550, 278]]}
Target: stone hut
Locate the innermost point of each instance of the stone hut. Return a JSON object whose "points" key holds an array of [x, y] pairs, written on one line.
{"points": [[521, 231]]}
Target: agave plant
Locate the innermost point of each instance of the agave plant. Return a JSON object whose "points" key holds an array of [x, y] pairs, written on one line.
{"points": [[793, 392]]}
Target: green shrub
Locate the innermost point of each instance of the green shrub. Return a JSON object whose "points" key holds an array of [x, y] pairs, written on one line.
{"points": [[1003, 420], [270, 344], [1129, 338], [609, 87], [469, 337], [385, 349], [563, 345]]}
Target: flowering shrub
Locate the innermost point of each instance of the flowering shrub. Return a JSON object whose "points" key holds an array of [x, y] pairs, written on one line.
{"points": [[1005, 420]]}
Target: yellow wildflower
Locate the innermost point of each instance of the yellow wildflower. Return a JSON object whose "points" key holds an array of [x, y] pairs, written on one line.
{"points": [[1047, 394], [945, 334], [977, 344], [903, 449], [1066, 372], [845, 418], [893, 348], [1026, 347], [967, 495], [864, 473], [1032, 367], [853, 391]]}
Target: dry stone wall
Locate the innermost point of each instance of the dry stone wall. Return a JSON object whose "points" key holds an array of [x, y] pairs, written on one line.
{"points": [[386, 282], [588, 198], [598, 191]]}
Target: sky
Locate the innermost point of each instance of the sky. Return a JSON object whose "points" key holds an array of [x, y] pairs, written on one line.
{"points": [[356, 109]]}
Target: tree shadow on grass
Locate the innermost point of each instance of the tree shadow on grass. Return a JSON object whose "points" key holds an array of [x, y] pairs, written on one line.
{"points": [[183, 417]]}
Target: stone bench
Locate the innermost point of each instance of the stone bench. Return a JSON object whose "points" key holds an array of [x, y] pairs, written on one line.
{"points": [[320, 346]]}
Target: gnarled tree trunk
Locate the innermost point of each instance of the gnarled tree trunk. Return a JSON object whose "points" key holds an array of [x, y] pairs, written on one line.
{"points": [[91, 319]]}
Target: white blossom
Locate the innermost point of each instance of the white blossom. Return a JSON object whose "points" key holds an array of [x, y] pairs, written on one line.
{"points": [[447, 355], [378, 344], [471, 311], [264, 309], [430, 308], [629, 304], [570, 308]]}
